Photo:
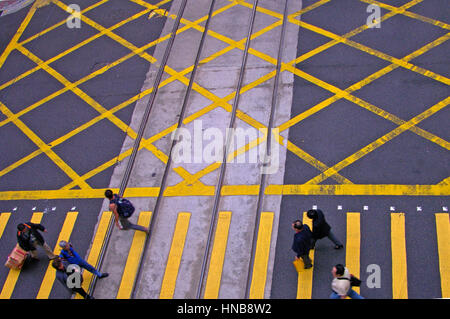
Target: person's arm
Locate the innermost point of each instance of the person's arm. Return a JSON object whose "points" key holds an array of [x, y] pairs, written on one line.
{"points": [[113, 208]]}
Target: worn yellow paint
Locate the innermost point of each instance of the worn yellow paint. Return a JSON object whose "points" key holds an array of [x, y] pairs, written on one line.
{"points": [[49, 277], [398, 247], [134, 258], [443, 242], [175, 254], [217, 256], [259, 274]]}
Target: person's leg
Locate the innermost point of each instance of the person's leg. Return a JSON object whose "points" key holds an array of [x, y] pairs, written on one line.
{"points": [[88, 267], [334, 295], [307, 261], [48, 251], [354, 295], [336, 241], [126, 224], [83, 293]]}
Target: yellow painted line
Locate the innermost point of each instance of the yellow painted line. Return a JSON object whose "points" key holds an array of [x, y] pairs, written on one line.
{"points": [[398, 246], [234, 190], [174, 259], [380, 141], [96, 248], [4, 217], [217, 256], [44, 147], [262, 251], [352, 253], [50, 274], [409, 14], [305, 277], [443, 241], [17, 35], [134, 258], [13, 275], [70, 50]]}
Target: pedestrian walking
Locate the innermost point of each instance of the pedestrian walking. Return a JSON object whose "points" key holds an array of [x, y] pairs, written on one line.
{"points": [[29, 238], [72, 257], [341, 284], [62, 275], [321, 228], [302, 242], [122, 210]]}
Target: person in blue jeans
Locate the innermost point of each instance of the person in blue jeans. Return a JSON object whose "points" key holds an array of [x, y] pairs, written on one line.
{"points": [[69, 254], [340, 286]]}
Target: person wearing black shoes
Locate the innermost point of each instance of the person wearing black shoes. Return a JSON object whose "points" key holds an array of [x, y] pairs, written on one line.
{"points": [[69, 254], [321, 228], [64, 276]]}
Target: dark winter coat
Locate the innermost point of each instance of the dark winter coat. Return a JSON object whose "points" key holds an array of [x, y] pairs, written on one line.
{"points": [[302, 241], [321, 228], [24, 238]]}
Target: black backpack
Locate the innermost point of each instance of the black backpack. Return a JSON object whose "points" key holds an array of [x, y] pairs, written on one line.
{"points": [[124, 207]]}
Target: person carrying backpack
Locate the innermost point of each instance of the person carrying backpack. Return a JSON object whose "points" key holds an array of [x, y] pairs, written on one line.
{"points": [[122, 209]]}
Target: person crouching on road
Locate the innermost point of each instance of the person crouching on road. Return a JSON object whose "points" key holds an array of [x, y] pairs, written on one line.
{"points": [[69, 254], [302, 242], [29, 238], [62, 275]]}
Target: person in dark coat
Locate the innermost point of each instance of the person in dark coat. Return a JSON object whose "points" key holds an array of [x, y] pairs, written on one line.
{"points": [[62, 274], [29, 237], [302, 242], [321, 228]]}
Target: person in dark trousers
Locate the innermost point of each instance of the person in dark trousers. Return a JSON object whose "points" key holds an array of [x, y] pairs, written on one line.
{"points": [[302, 242], [120, 221], [29, 238], [62, 275], [321, 228], [69, 254]]}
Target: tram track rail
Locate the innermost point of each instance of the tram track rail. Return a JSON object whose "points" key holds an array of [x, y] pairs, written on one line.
{"points": [[226, 150]]}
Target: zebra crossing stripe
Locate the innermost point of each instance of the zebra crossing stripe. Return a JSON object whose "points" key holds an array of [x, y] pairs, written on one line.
{"points": [[50, 274], [13, 275]]}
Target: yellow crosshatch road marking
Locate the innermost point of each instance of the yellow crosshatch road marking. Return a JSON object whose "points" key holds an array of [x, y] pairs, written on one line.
{"points": [[380, 141], [4, 217], [175, 254], [443, 240], [305, 277], [49, 277], [217, 256], [409, 14], [352, 258], [262, 251], [223, 102], [13, 274], [134, 258], [398, 246], [44, 147], [94, 253]]}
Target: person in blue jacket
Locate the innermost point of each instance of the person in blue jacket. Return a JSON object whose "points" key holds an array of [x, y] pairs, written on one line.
{"points": [[69, 254], [302, 242]]}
